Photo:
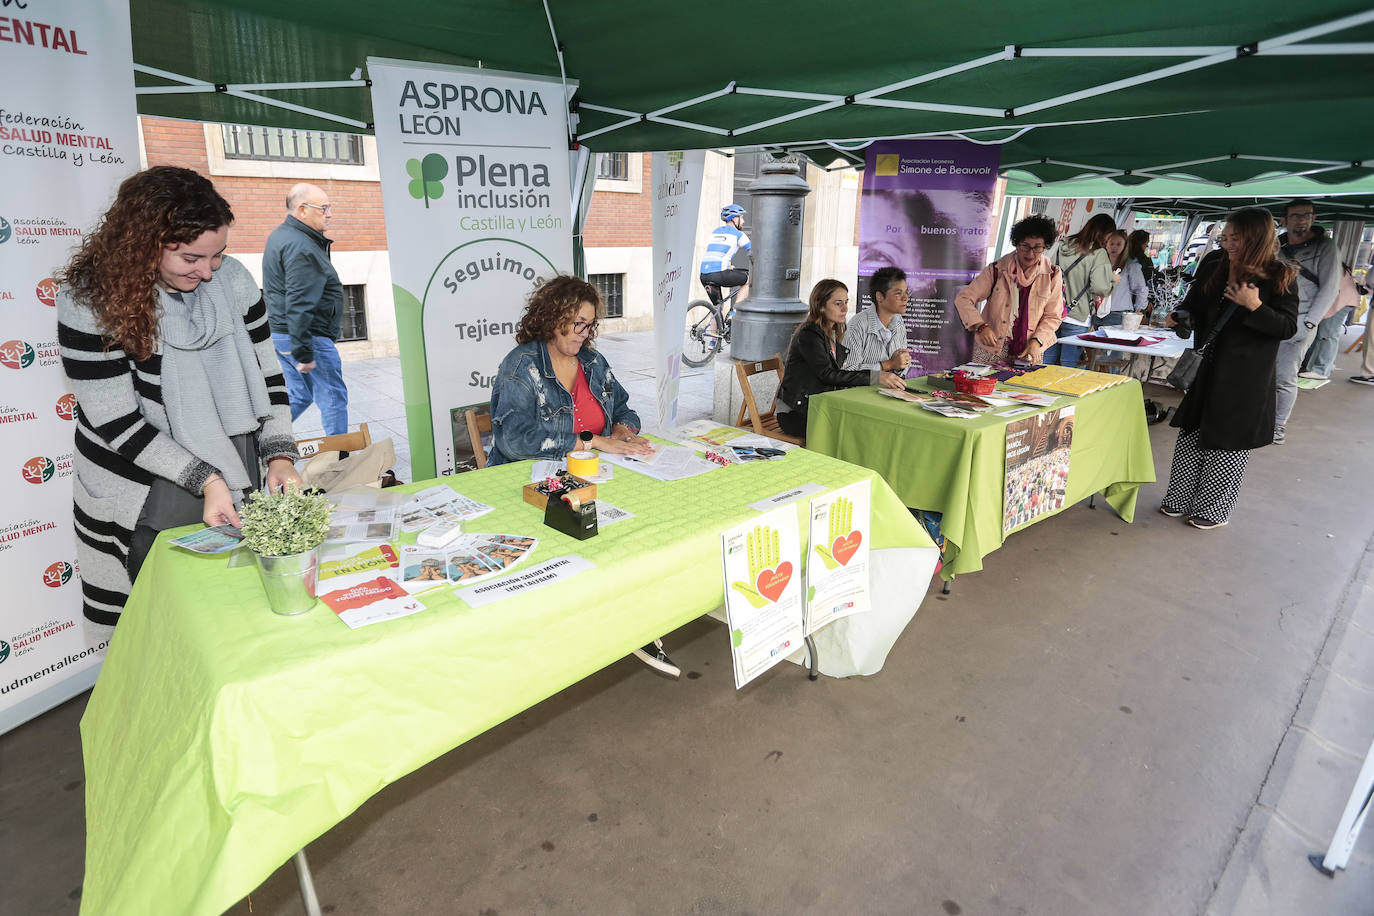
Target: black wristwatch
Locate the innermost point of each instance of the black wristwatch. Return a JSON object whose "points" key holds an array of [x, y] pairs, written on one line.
{"points": [[586, 437], [1310, 325]]}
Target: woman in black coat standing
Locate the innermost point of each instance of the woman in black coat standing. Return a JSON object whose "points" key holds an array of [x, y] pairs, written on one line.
{"points": [[816, 355], [1250, 296]]}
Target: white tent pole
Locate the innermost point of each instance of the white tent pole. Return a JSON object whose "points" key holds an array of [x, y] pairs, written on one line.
{"points": [[198, 85], [704, 128], [933, 75], [933, 106], [1267, 44], [729, 88], [815, 109], [299, 109], [1328, 48], [1181, 51], [790, 94]]}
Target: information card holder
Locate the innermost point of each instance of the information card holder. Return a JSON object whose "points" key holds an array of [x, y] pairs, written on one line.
{"points": [[575, 521]]}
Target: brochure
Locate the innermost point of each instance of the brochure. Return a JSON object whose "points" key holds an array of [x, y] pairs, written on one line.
{"points": [[763, 595], [371, 602], [220, 539], [350, 562], [470, 558], [837, 566]]}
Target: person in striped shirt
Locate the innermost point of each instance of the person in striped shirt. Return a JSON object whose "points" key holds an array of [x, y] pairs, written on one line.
{"points": [[718, 266], [876, 337]]}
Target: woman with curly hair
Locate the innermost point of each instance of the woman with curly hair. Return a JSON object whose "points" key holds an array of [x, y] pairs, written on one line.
{"points": [[1022, 295], [1243, 304], [554, 386], [554, 393], [164, 340]]}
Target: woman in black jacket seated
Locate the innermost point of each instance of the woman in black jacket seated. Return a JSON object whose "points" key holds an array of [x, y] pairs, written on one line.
{"points": [[1229, 409], [815, 356]]}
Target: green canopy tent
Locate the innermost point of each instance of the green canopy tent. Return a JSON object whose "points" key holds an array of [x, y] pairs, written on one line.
{"points": [[1353, 200], [1223, 93]]}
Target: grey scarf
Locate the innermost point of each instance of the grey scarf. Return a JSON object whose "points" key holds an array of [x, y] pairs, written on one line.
{"points": [[212, 386]]}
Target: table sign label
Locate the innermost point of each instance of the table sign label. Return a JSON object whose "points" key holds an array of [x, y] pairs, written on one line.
{"points": [[837, 564], [1037, 468], [763, 596], [787, 496], [556, 570]]}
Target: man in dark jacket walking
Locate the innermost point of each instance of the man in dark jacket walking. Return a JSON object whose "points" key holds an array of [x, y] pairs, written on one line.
{"points": [[305, 307]]}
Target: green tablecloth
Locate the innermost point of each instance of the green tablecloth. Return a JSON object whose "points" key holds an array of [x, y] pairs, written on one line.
{"points": [[956, 467], [221, 738]]}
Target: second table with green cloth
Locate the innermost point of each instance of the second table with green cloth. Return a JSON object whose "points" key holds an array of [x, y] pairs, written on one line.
{"points": [[957, 466], [221, 738]]}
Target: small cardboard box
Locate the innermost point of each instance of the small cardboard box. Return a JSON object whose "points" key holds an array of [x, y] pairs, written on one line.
{"points": [[539, 499]]}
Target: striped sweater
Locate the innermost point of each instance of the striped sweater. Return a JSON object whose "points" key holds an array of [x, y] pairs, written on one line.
{"points": [[122, 439]]}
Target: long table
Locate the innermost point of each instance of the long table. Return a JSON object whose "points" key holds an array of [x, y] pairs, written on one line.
{"points": [[221, 738], [956, 467]]}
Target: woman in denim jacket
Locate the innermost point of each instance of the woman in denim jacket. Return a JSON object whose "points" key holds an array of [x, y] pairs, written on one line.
{"points": [[553, 385]]}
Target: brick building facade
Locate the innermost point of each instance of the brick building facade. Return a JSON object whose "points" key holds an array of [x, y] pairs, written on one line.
{"points": [[618, 237]]}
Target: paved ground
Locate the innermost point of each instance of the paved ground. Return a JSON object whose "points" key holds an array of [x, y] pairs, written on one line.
{"points": [[1109, 719]]}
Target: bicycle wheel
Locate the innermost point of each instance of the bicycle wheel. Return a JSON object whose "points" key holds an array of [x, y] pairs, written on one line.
{"points": [[701, 338]]}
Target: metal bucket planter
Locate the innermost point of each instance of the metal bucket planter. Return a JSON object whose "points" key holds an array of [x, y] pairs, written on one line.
{"points": [[290, 581]]}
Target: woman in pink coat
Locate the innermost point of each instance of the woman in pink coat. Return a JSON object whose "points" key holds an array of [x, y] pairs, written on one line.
{"points": [[1024, 296]]}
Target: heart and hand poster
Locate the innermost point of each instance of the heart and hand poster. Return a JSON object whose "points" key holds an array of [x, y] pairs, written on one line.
{"points": [[763, 601], [837, 566], [1037, 470]]}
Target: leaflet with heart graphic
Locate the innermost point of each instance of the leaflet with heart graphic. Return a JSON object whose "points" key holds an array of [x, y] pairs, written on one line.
{"points": [[837, 566], [763, 600]]}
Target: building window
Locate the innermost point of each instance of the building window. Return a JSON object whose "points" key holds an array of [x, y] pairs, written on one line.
{"points": [[613, 166], [612, 289], [281, 145], [355, 313]]}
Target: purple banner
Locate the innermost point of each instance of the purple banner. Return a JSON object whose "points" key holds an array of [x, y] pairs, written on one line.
{"points": [[927, 208]]}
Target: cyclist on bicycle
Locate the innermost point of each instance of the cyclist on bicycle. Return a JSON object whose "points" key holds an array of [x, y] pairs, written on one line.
{"points": [[717, 268]]}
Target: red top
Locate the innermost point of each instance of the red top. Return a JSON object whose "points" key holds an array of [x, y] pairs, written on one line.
{"points": [[587, 412]]}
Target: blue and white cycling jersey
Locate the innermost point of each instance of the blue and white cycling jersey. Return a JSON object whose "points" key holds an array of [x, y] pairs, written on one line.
{"points": [[721, 248]]}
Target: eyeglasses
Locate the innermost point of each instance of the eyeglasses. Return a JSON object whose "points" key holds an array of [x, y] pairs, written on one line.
{"points": [[1030, 249], [323, 208], [587, 327]]}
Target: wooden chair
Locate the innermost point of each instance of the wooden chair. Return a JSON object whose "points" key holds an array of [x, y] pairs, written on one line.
{"points": [[479, 426], [763, 423], [343, 442]]}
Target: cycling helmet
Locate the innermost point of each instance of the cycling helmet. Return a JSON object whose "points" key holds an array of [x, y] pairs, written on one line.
{"points": [[730, 212]]}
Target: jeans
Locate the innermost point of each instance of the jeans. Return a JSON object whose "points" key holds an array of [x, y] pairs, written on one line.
{"points": [[323, 385], [1062, 354], [1286, 372], [1328, 342]]}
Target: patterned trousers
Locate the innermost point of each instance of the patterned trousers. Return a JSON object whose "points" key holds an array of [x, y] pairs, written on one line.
{"points": [[1204, 483]]}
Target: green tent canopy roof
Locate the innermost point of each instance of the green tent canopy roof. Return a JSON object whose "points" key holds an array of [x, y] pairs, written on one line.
{"points": [[1249, 88], [1351, 200]]}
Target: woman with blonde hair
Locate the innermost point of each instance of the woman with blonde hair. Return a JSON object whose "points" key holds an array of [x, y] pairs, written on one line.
{"points": [[1243, 304], [1130, 293], [815, 356], [1087, 271]]}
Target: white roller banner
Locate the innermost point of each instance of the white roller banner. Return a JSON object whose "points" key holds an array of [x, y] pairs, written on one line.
{"points": [[677, 192], [476, 193], [68, 136]]}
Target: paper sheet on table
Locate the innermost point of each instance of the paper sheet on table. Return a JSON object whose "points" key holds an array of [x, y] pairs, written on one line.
{"points": [[668, 462]]}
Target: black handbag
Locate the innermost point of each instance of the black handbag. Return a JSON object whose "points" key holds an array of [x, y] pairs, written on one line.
{"points": [[1185, 371]]}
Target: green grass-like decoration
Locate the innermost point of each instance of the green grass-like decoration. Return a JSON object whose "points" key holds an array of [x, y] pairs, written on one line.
{"points": [[283, 524]]}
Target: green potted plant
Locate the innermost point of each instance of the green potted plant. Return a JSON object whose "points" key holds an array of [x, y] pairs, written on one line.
{"points": [[284, 531]]}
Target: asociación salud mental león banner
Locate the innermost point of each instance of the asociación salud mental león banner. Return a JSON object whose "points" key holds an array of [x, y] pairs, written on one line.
{"points": [[68, 136], [476, 192]]}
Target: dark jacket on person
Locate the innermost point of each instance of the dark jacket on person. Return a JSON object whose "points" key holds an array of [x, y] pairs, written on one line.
{"points": [[1231, 404], [812, 368], [301, 288]]}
